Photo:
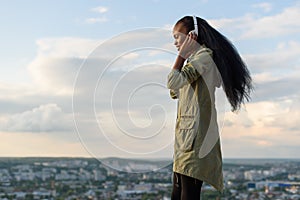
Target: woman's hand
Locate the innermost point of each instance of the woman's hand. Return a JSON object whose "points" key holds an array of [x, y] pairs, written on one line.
{"points": [[189, 45]]}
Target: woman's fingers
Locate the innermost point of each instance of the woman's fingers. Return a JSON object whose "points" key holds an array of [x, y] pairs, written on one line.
{"points": [[189, 45]]}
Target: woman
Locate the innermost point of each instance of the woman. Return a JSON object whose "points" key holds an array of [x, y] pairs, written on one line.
{"points": [[206, 60]]}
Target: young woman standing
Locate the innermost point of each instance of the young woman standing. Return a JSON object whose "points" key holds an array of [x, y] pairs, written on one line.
{"points": [[206, 60]]}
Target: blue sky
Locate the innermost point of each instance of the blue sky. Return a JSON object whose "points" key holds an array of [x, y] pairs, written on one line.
{"points": [[44, 44], [23, 22]]}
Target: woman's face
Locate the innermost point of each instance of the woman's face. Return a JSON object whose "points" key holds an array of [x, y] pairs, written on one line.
{"points": [[179, 34]]}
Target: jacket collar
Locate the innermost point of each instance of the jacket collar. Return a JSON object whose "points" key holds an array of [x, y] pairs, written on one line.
{"points": [[201, 47]]}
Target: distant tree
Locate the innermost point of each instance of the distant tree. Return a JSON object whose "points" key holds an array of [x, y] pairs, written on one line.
{"points": [[29, 197]]}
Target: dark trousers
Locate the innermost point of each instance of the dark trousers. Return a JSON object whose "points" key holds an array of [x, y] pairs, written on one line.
{"points": [[185, 187]]}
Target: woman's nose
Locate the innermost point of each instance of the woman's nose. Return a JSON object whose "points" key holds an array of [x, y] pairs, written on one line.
{"points": [[175, 42]]}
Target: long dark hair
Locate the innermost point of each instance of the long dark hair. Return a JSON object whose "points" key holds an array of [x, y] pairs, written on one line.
{"points": [[235, 75]]}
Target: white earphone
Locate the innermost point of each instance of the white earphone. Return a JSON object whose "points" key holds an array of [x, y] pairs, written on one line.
{"points": [[195, 31]]}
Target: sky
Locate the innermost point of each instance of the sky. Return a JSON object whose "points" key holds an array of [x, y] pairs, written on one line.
{"points": [[88, 78]]}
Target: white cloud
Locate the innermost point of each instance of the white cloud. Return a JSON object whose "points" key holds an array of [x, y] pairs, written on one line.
{"points": [[101, 19], [100, 9], [69, 47], [285, 115], [284, 59], [55, 75], [57, 62], [271, 121], [267, 7], [130, 56], [13, 92], [281, 24], [251, 26], [276, 74], [94, 20], [264, 77], [274, 118], [45, 118], [143, 55], [58, 59]]}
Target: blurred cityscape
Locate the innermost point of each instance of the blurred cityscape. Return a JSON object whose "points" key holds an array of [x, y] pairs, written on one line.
{"points": [[88, 178]]}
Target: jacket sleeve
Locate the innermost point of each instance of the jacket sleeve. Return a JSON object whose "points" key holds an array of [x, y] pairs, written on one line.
{"points": [[197, 66], [177, 79]]}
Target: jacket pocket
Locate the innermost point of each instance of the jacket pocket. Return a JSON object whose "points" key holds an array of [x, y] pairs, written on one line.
{"points": [[186, 133]]}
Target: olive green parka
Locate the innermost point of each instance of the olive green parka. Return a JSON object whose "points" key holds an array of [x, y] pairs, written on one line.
{"points": [[197, 149]]}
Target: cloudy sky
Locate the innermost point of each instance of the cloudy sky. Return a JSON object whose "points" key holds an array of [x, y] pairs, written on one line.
{"points": [[87, 78]]}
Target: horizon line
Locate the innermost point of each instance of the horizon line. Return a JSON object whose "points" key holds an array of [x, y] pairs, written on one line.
{"points": [[158, 158]]}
